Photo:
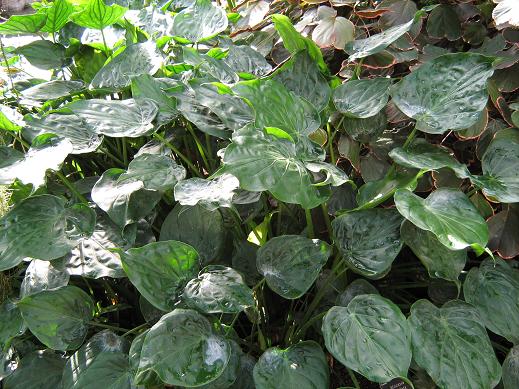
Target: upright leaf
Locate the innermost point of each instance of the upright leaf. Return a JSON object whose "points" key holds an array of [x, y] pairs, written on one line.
{"points": [[57, 15], [201, 21], [98, 15], [23, 24]]}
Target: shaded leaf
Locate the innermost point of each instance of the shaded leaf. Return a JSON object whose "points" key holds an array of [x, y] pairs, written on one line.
{"points": [[40, 276], [38, 369], [362, 98], [502, 229]]}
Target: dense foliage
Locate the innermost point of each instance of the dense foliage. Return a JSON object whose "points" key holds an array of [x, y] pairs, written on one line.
{"points": [[262, 195]]}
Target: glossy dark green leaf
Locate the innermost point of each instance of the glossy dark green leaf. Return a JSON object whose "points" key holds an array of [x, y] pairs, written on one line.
{"points": [[135, 60], [502, 227], [292, 263], [201, 21], [57, 15], [302, 365], [439, 260], [71, 127], [160, 270], [52, 89], [245, 379], [493, 289], [23, 24], [443, 22], [144, 377], [230, 374], [183, 349], [447, 93], [58, 318], [11, 325], [147, 87], [365, 130], [302, 76], [362, 98], [448, 214], [38, 369], [376, 43], [211, 194], [47, 153], [356, 288], [452, 345], [198, 227], [499, 164], [127, 118], [41, 227], [511, 369], [42, 275], [370, 336], [245, 60], [218, 289], [97, 15], [103, 359], [423, 155], [44, 54], [368, 240]]}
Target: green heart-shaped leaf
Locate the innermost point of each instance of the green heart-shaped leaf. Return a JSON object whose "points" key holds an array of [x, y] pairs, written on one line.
{"points": [[362, 98]]}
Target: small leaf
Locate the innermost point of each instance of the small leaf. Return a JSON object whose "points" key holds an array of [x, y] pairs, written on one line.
{"points": [[292, 263], [183, 349], [448, 214], [160, 270], [58, 318], [42, 275], [302, 365], [362, 98], [443, 22], [218, 289], [98, 15], [370, 336], [452, 345], [201, 21], [368, 240]]}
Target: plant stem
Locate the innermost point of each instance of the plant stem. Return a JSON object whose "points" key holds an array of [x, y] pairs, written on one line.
{"points": [[200, 147], [125, 151], [326, 216], [106, 50], [114, 328], [186, 160], [300, 333], [330, 143], [410, 138], [4, 55], [353, 378], [71, 187], [309, 224], [136, 329]]}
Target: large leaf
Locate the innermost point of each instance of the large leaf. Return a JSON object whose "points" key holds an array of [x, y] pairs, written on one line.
{"points": [[44, 54], [41, 227], [58, 318], [47, 153], [368, 240], [71, 127], [52, 89], [183, 349], [302, 365], [23, 24], [452, 345], [11, 325], [98, 15], [448, 214], [127, 118], [135, 60], [211, 194], [362, 98], [376, 43], [439, 260], [198, 227], [218, 289], [499, 164], [42, 275], [147, 87], [292, 263], [57, 15], [38, 369], [447, 93], [201, 21], [160, 270], [245, 61], [103, 359], [511, 369], [370, 336], [493, 289]]}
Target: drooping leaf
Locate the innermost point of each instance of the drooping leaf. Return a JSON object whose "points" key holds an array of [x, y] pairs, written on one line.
{"points": [[127, 118], [448, 214], [183, 349], [160, 270], [502, 229], [452, 345], [52, 89], [23, 24], [370, 336], [58, 318], [362, 98], [199, 22], [493, 289], [42, 275], [11, 325], [135, 60], [47, 153], [511, 369], [292, 263], [198, 227], [103, 359], [70, 127], [98, 15], [447, 93], [44, 54], [41, 227], [302, 365], [38, 369], [368, 240], [211, 194], [218, 289], [439, 260]]}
